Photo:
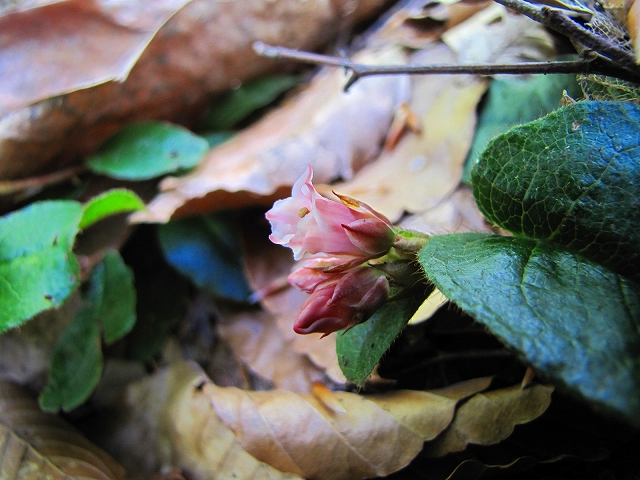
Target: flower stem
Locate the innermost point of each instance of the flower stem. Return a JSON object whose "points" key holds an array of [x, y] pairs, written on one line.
{"points": [[410, 242]]}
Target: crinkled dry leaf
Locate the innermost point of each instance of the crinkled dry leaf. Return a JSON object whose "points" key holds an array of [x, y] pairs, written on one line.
{"points": [[205, 48], [334, 131], [60, 47], [190, 421], [488, 418], [39, 445]]}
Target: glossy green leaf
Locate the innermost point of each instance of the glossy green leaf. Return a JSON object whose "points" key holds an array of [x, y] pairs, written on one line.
{"points": [[575, 321], [38, 270], [205, 249], [76, 365], [111, 202], [113, 296], [146, 150], [512, 102], [360, 349], [571, 178], [250, 96]]}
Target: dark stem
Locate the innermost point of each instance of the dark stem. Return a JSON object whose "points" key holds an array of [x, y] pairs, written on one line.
{"points": [[596, 66]]}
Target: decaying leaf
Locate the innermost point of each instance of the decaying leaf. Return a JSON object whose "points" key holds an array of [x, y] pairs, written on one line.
{"points": [[214, 431], [488, 418], [39, 445], [205, 48], [257, 340], [60, 46], [334, 131]]}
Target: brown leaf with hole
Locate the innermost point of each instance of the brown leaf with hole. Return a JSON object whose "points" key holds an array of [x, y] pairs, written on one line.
{"points": [[59, 47], [40, 445], [488, 418], [334, 131], [205, 48], [191, 421]]}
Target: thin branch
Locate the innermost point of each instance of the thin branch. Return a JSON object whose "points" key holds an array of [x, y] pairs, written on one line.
{"points": [[14, 186], [359, 70]]}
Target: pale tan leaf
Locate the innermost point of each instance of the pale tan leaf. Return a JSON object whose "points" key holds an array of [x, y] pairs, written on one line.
{"points": [[424, 168], [495, 35], [455, 214], [488, 418], [178, 417], [205, 48], [429, 307], [334, 131], [34, 444], [377, 434]]}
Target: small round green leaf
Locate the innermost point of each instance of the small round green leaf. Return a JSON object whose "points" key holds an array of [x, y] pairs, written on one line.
{"points": [[575, 321], [571, 178], [38, 270], [111, 202], [146, 150]]}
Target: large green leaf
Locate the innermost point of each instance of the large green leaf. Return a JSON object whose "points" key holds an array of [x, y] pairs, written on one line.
{"points": [[38, 270], [571, 178], [360, 349], [575, 321], [147, 150], [76, 364], [206, 250], [113, 296], [511, 102]]}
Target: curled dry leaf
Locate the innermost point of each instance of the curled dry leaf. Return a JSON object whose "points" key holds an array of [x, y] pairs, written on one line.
{"points": [[214, 431], [334, 131], [40, 445], [205, 48], [488, 418]]}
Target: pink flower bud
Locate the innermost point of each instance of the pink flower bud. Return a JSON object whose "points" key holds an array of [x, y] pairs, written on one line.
{"points": [[342, 303], [310, 224]]}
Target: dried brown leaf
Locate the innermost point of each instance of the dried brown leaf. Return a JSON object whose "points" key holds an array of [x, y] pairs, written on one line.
{"points": [[306, 435], [488, 418], [40, 445], [334, 131], [60, 47], [205, 48], [257, 341], [424, 168]]}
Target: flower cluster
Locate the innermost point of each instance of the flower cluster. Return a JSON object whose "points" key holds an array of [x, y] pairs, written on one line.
{"points": [[333, 240]]}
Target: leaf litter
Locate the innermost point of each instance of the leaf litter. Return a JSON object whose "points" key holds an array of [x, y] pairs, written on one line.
{"points": [[178, 417]]}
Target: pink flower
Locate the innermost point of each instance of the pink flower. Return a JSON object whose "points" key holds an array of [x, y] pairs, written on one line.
{"points": [[310, 224], [343, 301]]}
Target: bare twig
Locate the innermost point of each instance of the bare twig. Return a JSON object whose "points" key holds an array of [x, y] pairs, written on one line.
{"points": [[13, 186], [359, 70]]}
